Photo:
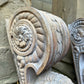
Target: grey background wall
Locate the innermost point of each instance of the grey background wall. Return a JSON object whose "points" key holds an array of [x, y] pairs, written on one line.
{"points": [[66, 9], [43, 4], [80, 9]]}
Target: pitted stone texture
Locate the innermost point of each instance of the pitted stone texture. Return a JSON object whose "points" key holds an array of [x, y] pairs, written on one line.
{"points": [[7, 67], [2, 2], [5, 12], [51, 77], [8, 73]]}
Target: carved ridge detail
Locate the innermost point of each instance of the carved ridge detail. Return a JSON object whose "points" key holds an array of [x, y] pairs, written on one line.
{"points": [[77, 38], [36, 41]]}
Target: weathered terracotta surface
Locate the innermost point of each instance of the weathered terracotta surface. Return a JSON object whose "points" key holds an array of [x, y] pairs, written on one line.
{"points": [[37, 40], [77, 39]]}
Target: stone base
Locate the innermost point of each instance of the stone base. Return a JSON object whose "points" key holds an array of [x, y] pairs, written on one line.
{"points": [[51, 77]]}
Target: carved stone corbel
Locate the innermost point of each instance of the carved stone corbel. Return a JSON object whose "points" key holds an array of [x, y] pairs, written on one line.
{"points": [[37, 40], [77, 40]]}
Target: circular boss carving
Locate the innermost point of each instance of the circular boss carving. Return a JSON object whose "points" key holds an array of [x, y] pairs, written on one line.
{"points": [[27, 34], [78, 32]]}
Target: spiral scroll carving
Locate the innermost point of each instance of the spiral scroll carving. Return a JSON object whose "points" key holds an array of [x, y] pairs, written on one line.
{"points": [[27, 35], [37, 40], [77, 32], [27, 39]]}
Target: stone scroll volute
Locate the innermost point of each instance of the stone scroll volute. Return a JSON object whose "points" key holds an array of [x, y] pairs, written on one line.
{"points": [[77, 41], [37, 40]]}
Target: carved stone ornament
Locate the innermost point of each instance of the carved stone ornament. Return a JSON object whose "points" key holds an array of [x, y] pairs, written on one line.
{"points": [[37, 40], [77, 39]]}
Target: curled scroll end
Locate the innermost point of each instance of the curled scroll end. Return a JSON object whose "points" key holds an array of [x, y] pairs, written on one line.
{"points": [[28, 40], [77, 39]]}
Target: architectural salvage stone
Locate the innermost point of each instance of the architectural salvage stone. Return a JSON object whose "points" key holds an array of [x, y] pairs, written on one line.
{"points": [[77, 40], [38, 40]]}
